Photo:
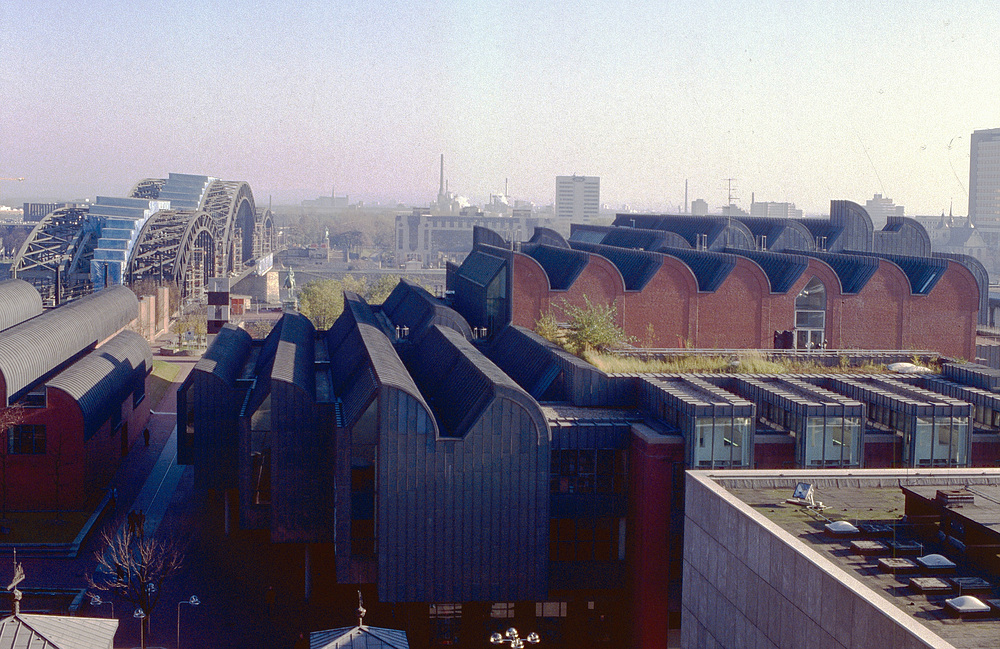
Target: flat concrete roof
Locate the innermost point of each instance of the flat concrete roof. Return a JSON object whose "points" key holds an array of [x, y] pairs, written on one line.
{"points": [[875, 497]]}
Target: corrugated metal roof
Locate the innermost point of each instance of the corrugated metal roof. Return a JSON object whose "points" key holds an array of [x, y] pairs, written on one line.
{"points": [[459, 382], [636, 266], [19, 301], [29, 631], [363, 359], [295, 358], [33, 348], [100, 381], [483, 235], [562, 265], [358, 637], [709, 268], [480, 268], [549, 237], [523, 356], [410, 305], [923, 272], [854, 271], [720, 231], [225, 357], [782, 269]]}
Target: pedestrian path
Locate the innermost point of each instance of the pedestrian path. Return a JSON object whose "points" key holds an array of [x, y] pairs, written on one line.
{"points": [[155, 495]]}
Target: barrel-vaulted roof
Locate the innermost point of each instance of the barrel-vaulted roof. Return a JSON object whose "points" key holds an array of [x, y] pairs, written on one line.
{"points": [[854, 271], [923, 272], [636, 266], [295, 357], [562, 265], [412, 306], [32, 349], [782, 269], [225, 357], [100, 381], [460, 383], [363, 361], [19, 301], [627, 237], [709, 268]]}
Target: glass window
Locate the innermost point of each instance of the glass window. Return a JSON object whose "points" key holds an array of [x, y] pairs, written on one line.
{"points": [[810, 315], [26, 439]]}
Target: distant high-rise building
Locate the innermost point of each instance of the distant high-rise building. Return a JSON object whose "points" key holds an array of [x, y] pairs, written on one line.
{"points": [[699, 207], [775, 210], [984, 178], [578, 198], [880, 209]]}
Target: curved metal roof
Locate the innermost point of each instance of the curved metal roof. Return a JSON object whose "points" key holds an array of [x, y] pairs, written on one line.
{"points": [[294, 359], [100, 381], [719, 231], [636, 266], [709, 268], [782, 269], [523, 355], [412, 306], [19, 301], [225, 357], [460, 383], [550, 237], [34, 348], [854, 271], [923, 272], [562, 265]]}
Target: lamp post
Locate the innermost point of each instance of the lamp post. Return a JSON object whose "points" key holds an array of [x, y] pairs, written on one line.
{"points": [[140, 615], [515, 641], [193, 601], [95, 600]]}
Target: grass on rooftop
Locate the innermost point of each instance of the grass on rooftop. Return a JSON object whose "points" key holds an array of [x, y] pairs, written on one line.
{"points": [[750, 361]]}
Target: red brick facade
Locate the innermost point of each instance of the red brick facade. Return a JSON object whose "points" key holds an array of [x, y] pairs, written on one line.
{"points": [[670, 311]]}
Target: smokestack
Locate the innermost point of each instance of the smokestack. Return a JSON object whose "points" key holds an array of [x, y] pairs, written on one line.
{"points": [[441, 186]]}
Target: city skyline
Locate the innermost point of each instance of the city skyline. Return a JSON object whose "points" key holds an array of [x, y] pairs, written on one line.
{"points": [[363, 97]]}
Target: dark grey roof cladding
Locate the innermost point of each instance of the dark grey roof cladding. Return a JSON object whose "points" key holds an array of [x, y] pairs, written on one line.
{"points": [[821, 228], [549, 237], [33, 348], [636, 266], [782, 269], [363, 359], [481, 235], [562, 265], [854, 271], [627, 237], [460, 382], [710, 268], [521, 354], [923, 272], [410, 305], [720, 231], [781, 234], [479, 267], [100, 381], [294, 361], [19, 301], [225, 357]]}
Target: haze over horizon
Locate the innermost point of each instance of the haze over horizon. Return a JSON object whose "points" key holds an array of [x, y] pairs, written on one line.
{"points": [[798, 101]]}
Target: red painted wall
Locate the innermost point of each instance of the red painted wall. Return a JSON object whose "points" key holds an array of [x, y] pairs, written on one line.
{"points": [[655, 550]]}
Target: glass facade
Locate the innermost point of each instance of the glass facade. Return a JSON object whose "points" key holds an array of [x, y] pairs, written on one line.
{"points": [[810, 316]]}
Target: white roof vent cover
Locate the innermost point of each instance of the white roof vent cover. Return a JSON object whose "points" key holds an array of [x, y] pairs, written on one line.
{"points": [[935, 561], [841, 527]]}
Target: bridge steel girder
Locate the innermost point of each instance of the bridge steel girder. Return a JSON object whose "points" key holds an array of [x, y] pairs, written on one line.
{"points": [[63, 241], [171, 246]]}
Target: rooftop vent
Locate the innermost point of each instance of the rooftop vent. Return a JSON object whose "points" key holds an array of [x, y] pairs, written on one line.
{"points": [[955, 497], [840, 528], [936, 562]]}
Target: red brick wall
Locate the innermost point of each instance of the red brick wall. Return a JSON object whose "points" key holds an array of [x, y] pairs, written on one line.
{"points": [[731, 317], [872, 318], [529, 291], [667, 303], [945, 319]]}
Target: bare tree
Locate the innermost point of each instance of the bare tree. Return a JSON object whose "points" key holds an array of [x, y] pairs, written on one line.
{"points": [[134, 565]]}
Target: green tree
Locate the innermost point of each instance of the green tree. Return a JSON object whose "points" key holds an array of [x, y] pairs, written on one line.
{"points": [[322, 301], [548, 327], [592, 326], [381, 288]]}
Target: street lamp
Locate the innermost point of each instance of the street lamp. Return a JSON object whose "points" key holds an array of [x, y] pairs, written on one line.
{"points": [[516, 642], [193, 601], [140, 615], [95, 600]]}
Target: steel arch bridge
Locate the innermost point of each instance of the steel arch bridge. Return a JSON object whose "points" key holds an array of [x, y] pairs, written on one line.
{"points": [[225, 233]]}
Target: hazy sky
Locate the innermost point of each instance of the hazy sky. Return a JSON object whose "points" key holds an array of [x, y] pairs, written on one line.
{"points": [[798, 101]]}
